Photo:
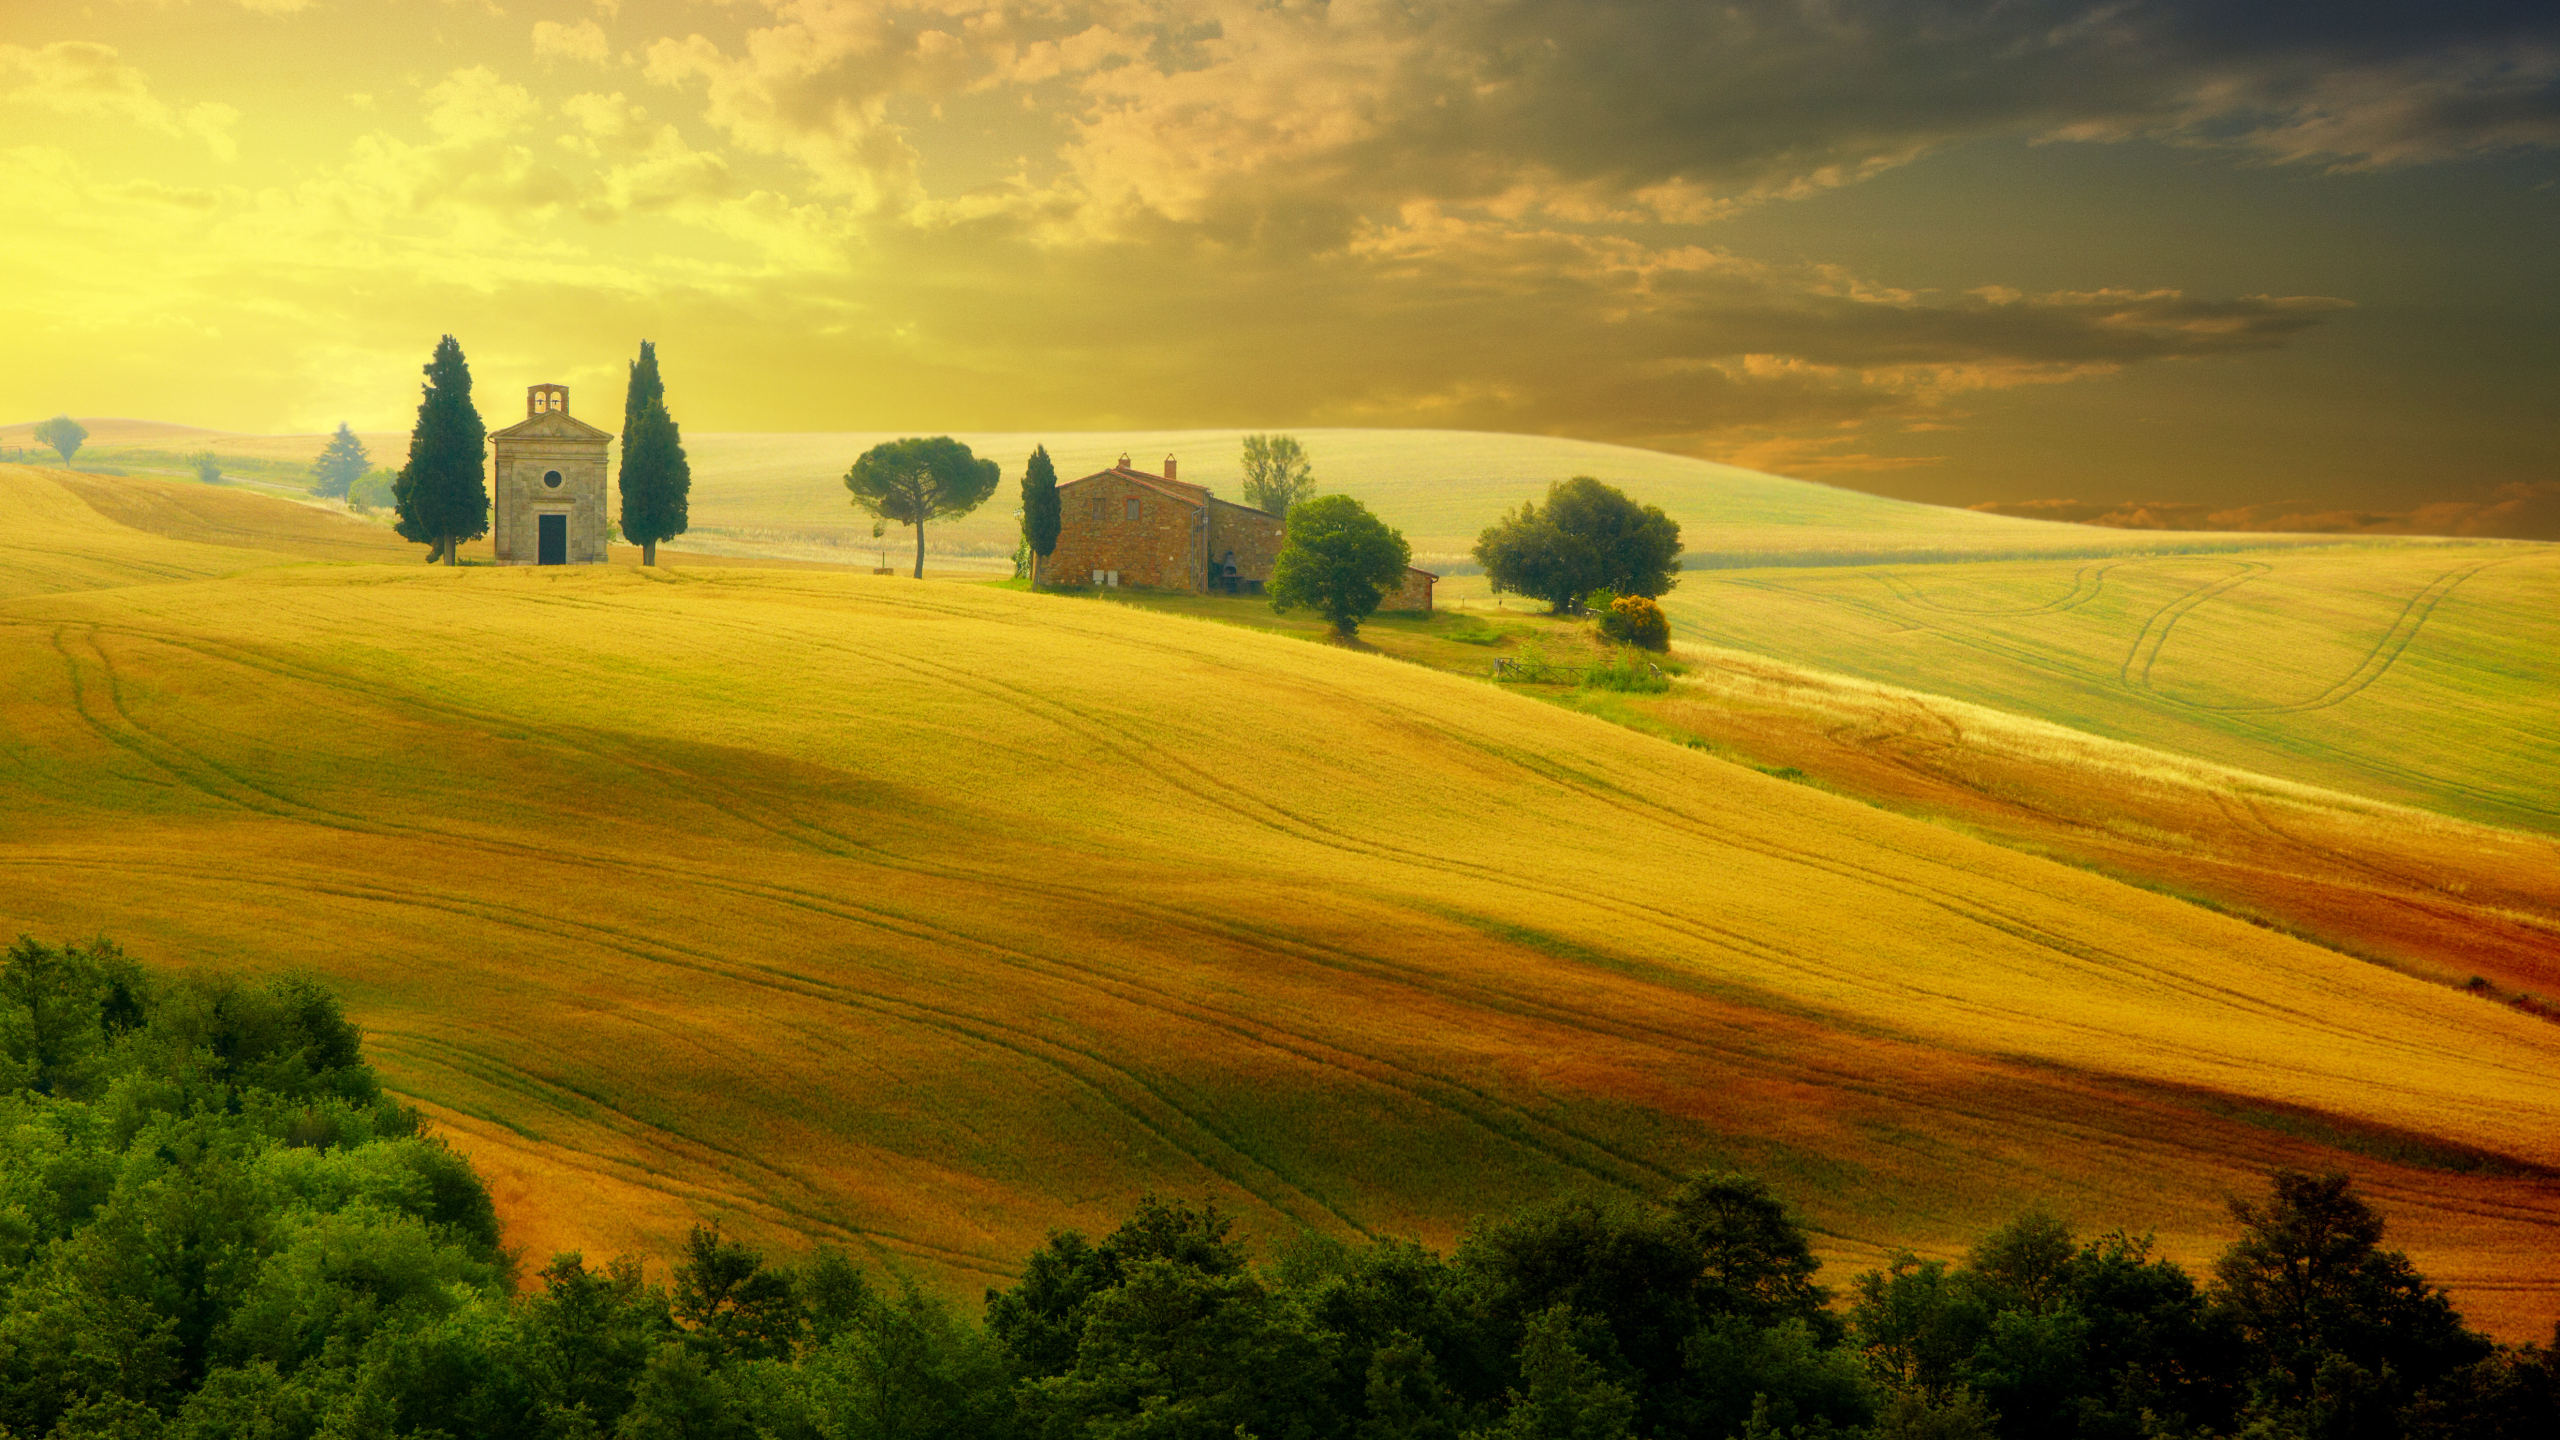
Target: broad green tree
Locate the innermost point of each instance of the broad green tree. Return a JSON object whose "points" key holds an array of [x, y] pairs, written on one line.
{"points": [[207, 465], [342, 463], [1589, 536], [656, 478], [1040, 515], [2325, 1306], [63, 433], [1277, 473], [60, 1010], [1564, 1393], [908, 482], [443, 493], [730, 1304], [1339, 561]]}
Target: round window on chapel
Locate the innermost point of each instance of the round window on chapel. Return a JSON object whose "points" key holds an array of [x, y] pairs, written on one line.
{"points": [[551, 478]]}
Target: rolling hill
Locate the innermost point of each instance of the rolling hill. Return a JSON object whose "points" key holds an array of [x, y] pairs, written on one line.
{"points": [[782, 495], [2423, 673], [916, 916]]}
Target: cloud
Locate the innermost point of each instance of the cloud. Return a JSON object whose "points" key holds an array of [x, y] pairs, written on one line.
{"points": [[2527, 510], [1290, 124], [475, 104], [75, 77], [583, 41], [1474, 213], [817, 89]]}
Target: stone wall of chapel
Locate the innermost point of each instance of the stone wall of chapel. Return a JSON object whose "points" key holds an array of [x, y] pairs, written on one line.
{"points": [[1158, 545], [1413, 594], [520, 495]]}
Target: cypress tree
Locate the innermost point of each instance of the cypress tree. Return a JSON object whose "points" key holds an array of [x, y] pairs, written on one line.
{"points": [[1040, 518], [442, 494], [655, 476]]}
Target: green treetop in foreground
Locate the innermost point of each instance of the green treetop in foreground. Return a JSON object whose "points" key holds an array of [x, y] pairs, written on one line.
{"points": [[442, 494], [907, 482], [1589, 537], [1339, 561], [214, 1223], [342, 463], [63, 433], [1041, 519], [1277, 473], [656, 479]]}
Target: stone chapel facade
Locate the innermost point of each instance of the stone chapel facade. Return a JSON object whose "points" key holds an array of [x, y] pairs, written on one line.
{"points": [[550, 490]]}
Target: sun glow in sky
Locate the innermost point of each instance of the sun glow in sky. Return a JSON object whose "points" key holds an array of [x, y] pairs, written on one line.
{"points": [[1954, 251]]}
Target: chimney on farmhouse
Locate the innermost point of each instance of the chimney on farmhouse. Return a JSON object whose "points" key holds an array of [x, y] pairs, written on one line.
{"points": [[1168, 467]]}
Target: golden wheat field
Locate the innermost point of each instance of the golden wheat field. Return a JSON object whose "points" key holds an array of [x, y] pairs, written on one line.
{"points": [[921, 916], [2420, 673]]}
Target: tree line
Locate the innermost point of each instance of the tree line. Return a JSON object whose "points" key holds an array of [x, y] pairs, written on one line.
{"points": [[214, 1222]]}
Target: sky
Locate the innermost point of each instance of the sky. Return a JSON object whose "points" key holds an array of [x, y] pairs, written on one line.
{"points": [[2281, 253]]}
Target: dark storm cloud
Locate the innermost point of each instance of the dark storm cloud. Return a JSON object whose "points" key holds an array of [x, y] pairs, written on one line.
{"points": [[1284, 125], [1764, 98]]}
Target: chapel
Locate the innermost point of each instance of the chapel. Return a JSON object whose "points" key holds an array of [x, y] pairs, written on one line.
{"points": [[550, 490]]}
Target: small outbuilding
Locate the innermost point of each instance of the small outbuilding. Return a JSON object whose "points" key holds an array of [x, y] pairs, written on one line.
{"points": [[550, 490]]}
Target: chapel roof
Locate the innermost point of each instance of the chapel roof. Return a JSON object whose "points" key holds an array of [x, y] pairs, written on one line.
{"points": [[552, 425]]}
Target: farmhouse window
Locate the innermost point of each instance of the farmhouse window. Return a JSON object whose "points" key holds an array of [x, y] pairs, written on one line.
{"points": [[1097, 509], [1133, 507]]}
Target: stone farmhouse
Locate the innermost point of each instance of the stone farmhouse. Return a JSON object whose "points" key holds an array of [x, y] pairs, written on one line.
{"points": [[550, 491], [1123, 526]]}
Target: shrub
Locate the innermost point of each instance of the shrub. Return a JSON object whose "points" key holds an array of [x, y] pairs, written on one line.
{"points": [[373, 492], [1635, 620], [1625, 670]]}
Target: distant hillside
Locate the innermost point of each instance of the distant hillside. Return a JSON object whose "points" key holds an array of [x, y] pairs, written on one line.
{"points": [[783, 494], [2425, 672], [1441, 487], [109, 430], [918, 917]]}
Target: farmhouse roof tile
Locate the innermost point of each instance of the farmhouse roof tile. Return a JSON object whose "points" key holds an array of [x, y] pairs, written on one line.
{"points": [[1182, 490]]}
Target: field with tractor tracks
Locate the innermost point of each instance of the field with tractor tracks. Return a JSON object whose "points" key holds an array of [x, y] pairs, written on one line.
{"points": [[918, 916], [2422, 673]]}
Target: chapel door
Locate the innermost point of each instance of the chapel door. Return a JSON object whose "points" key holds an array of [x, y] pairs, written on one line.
{"points": [[551, 539]]}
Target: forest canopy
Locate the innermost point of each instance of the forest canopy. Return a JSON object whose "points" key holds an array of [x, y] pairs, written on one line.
{"points": [[214, 1221]]}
